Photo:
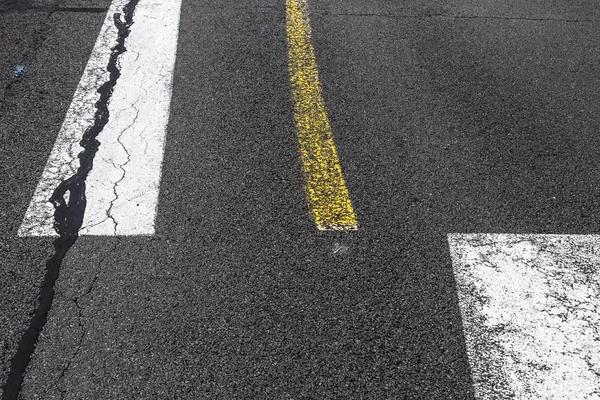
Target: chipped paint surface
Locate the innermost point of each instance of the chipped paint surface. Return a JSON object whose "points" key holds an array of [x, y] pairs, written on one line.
{"points": [[531, 314], [327, 194]]}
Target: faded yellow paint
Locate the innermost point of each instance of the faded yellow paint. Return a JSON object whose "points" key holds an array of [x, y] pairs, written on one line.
{"points": [[326, 191]]}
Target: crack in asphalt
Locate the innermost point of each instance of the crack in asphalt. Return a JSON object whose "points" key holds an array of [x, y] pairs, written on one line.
{"points": [[16, 6], [68, 214], [68, 365], [51, 9], [80, 323], [454, 17]]}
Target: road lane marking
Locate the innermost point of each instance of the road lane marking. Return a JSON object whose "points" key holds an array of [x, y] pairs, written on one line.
{"points": [[122, 188], [327, 195], [531, 314], [63, 162]]}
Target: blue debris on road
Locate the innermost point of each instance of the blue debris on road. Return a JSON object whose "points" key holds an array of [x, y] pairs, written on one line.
{"points": [[19, 72]]}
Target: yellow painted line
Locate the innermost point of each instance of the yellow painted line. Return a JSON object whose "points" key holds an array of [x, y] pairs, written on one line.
{"points": [[326, 191]]}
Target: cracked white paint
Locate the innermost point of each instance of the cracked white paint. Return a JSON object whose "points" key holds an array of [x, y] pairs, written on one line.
{"points": [[122, 188], [531, 314], [63, 161]]}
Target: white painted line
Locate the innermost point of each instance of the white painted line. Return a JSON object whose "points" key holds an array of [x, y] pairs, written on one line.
{"points": [[122, 188], [63, 161], [531, 314]]}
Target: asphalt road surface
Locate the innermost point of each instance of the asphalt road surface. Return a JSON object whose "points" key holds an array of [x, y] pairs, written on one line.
{"points": [[450, 118]]}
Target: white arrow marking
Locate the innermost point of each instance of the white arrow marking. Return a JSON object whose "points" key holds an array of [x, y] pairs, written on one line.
{"points": [[531, 314], [122, 188]]}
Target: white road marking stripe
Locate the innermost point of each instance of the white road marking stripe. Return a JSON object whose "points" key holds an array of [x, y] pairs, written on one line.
{"points": [[122, 188], [63, 161], [531, 314]]}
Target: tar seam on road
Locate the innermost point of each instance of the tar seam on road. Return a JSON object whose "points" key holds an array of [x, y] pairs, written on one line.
{"points": [[327, 195], [454, 17], [68, 215], [92, 10], [53, 9]]}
